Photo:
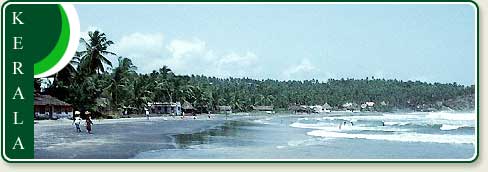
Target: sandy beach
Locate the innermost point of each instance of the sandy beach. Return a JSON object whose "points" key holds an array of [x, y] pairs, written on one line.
{"points": [[113, 138], [445, 135]]}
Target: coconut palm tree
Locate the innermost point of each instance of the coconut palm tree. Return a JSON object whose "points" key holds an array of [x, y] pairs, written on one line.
{"points": [[94, 56], [140, 92], [121, 77], [165, 71], [67, 73]]}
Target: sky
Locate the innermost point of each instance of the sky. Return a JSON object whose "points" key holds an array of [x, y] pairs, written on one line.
{"points": [[429, 42]]}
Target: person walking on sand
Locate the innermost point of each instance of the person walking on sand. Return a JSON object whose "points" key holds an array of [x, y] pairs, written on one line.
{"points": [[77, 121], [147, 113], [88, 122]]}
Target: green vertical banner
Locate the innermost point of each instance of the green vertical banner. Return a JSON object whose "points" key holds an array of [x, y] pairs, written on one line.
{"points": [[36, 38]]}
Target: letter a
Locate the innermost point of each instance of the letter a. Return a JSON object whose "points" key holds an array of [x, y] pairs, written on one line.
{"points": [[15, 16], [18, 143], [18, 93]]}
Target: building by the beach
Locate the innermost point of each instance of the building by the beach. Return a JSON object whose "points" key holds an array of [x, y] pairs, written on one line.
{"points": [[48, 107], [224, 109], [310, 109], [320, 108], [326, 106], [351, 106], [171, 108], [368, 105], [304, 109], [188, 108], [267, 109], [263, 108]]}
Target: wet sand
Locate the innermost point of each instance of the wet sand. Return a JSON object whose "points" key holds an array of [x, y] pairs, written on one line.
{"points": [[113, 138]]}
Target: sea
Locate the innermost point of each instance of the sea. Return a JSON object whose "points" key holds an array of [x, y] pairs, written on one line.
{"points": [[331, 136]]}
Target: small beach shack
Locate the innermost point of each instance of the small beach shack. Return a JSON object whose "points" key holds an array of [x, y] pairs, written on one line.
{"points": [[299, 108], [126, 110], [224, 109], [351, 106], [267, 109], [48, 107], [293, 108], [188, 108], [326, 106], [165, 108], [368, 105]]}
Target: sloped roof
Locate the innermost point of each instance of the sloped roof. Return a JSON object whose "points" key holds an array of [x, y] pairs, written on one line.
{"points": [[327, 106], [48, 100], [263, 108], [293, 107], [187, 105], [226, 108]]}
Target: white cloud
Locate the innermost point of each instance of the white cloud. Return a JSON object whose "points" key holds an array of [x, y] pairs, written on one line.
{"points": [[180, 48], [138, 44], [145, 49], [149, 51], [193, 57], [379, 75], [237, 65], [233, 58], [304, 70]]}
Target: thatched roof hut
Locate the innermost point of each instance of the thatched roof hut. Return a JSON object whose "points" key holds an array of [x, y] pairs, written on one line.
{"points": [[326, 106], [188, 108], [293, 107], [45, 100], [48, 107]]}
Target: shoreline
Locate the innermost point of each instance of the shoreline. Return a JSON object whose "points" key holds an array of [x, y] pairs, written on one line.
{"points": [[112, 138], [126, 138]]}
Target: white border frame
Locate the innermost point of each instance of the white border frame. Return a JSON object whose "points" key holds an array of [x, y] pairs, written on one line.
{"points": [[475, 155]]}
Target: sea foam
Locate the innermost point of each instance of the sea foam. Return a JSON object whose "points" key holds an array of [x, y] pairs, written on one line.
{"points": [[403, 137]]}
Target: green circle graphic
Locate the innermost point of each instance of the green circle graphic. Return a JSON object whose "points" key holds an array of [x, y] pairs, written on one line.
{"points": [[59, 49]]}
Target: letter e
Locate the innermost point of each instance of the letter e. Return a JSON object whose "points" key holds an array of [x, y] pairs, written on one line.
{"points": [[18, 41]]}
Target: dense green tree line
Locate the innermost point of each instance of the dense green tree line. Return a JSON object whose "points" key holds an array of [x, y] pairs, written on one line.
{"points": [[88, 85]]}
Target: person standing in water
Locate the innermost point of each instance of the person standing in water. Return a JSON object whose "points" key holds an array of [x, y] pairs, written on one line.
{"points": [[77, 121], [88, 122]]}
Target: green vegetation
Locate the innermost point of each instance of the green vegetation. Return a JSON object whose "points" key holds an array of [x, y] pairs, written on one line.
{"points": [[88, 86]]}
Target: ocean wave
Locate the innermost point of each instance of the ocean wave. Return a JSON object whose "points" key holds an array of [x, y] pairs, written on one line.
{"points": [[348, 127], [451, 116], [391, 123], [452, 127], [409, 116], [262, 121], [383, 117], [403, 137], [417, 118], [306, 142]]}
